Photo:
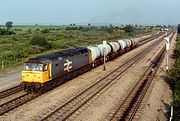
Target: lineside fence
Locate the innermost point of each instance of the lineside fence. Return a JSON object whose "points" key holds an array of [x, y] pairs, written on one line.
{"points": [[4, 64]]}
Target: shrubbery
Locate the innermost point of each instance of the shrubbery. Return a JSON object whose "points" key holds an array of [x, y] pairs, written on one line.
{"points": [[175, 77], [45, 31], [129, 28], [6, 32], [40, 41]]}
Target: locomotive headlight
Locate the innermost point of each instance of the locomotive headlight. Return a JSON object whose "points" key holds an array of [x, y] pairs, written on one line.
{"points": [[38, 75]]}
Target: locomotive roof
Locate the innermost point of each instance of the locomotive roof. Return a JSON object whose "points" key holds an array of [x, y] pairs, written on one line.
{"points": [[64, 53]]}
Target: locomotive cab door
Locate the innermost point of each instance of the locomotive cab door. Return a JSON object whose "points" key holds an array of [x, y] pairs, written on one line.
{"points": [[47, 72], [50, 70]]}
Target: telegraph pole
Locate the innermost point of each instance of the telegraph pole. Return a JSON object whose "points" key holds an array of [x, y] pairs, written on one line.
{"points": [[167, 52], [104, 51]]}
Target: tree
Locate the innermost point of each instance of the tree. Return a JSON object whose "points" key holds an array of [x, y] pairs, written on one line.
{"points": [[29, 31], [37, 29], [45, 31], [116, 27], [9, 25], [129, 28]]}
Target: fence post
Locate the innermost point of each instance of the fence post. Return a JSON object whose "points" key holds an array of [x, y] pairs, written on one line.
{"points": [[171, 114], [2, 65]]}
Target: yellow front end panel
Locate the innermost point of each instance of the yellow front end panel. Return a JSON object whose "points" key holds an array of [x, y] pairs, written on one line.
{"points": [[35, 76]]}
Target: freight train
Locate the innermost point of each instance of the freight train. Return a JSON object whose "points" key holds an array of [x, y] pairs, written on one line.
{"points": [[47, 71]]}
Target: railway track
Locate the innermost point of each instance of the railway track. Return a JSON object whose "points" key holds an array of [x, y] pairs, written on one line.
{"points": [[10, 105], [130, 108], [149, 38], [70, 107], [146, 40], [85, 95], [10, 91]]}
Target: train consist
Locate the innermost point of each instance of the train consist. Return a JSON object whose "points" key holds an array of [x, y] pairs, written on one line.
{"points": [[50, 70]]}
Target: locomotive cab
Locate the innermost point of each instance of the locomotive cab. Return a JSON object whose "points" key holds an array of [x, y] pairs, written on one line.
{"points": [[35, 75]]}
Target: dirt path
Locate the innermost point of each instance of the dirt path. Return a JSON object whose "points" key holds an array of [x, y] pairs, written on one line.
{"points": [[10, 78]]}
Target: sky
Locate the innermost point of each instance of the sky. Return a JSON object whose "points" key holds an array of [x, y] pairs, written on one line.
{"points": [[57, 12]]}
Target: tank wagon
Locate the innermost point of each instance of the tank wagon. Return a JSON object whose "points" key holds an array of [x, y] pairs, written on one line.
{"points": [[50, 70]]}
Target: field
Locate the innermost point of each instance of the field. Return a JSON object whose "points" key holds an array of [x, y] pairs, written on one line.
{"points": [[29, 41]]}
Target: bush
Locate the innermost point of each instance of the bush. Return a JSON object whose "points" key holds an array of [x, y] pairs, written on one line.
{"points": [[45, 31], [129, 28], [6, 32], [35, 49], [40, 41]]}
